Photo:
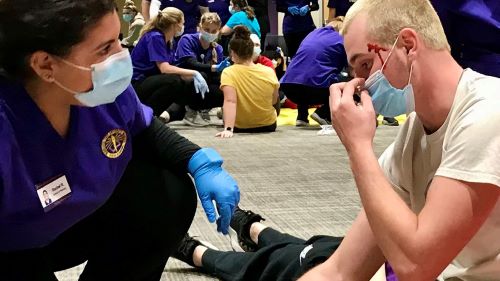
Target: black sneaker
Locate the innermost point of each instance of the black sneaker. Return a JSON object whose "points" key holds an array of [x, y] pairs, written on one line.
{"points": [[241, 222], [185, 249], [390, 121]]}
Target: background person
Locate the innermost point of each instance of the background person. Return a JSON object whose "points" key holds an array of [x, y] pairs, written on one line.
{"points": [[157, 80], [250, 90], [297, 22], [323, 55], [135, 22], [200, 52], [242, 14]]}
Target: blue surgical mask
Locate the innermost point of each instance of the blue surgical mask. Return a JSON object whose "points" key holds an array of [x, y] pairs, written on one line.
{"points": [[209, 37], [110, 78], [231, 10], [128, 17], [388, 100], [179, 33]]}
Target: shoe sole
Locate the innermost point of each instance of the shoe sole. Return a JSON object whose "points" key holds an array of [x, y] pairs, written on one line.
{"points": [[235, 245], [189, 123]]}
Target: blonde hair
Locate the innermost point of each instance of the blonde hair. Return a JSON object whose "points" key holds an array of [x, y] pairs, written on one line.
{"points": [[386, 18], [165, 19], [211, 18], [130, 5], [337, 23]]}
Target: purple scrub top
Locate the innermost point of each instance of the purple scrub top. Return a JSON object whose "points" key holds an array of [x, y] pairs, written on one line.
{"points": [[221, 7], [473, 31], [292, 24], [32, 153], [190, 47], [150, 49], [319, 60], [191, 10]]}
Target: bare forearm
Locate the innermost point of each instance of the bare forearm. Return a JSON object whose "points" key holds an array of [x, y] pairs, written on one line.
{"points": [[229, 111], [171, 69], [145, 6], [392, 222]]}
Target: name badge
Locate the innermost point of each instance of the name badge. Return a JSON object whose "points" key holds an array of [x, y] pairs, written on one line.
{"points": [[53, 192]]}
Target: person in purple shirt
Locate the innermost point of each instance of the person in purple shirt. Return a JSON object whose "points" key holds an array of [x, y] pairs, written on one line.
{"points": [[192, 10], [297, 22], [323, 56], [221, 7], [72, 127], [338, 8], [200, 52], [473, 31], [157, 80]]}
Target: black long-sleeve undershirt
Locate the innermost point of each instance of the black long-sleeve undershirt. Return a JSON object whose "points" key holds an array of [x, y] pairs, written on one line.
{"points": [[164, 146]]}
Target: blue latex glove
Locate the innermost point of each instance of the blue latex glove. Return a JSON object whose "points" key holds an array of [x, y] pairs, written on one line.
{"points": [[294, 10], [200, 85], [304, 10], [221, 66], [214, 183]]}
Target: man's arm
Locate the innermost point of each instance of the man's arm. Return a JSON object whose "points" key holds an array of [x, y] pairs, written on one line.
{"points": [[414, 243], [146, 6], [357, 258]]}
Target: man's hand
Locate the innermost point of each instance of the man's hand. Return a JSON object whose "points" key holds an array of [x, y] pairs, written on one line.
{"points": [[353, 121]]}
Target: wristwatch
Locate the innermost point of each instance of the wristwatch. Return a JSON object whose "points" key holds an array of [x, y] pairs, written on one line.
{"points": [[229, 129]]}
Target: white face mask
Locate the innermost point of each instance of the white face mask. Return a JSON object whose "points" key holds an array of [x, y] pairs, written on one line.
{"points": [[179, 33], [209, 37], [109, 78], [256, 52]]}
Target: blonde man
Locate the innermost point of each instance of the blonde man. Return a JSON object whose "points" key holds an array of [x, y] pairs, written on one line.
{"points": [[430, 208]]}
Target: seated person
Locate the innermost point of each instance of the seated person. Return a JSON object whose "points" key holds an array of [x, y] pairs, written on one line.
{"points": [[200, 52], [257, 57], [317, 64], [270, 254], [135, 22], [242, 14], [250, 90], [157, 81]]}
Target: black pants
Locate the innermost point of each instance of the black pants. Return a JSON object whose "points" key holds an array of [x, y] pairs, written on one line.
{"points": [[263, 129], [279, 257], [305, 96], [129, 238], [163, 90], [293, 41]]}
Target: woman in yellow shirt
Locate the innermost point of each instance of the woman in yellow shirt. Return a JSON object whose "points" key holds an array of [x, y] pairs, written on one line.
{"points": [[250, 90]]}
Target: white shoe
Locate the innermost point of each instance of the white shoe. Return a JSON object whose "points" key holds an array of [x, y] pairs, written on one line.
{"points": [[193, 118], [301, 123], [318, 119], [164, 117]]}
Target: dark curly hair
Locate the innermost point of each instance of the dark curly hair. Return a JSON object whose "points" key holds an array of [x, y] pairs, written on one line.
{"points": [[241, 43], [53, 26]]}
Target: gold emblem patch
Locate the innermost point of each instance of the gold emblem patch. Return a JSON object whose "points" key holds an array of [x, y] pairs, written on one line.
{"points": [[113, 143]]}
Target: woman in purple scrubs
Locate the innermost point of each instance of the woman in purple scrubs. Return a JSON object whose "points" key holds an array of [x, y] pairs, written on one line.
{"points": [[72, 129], [200, 52], [157, 80], [297, 22], [317, 64]]}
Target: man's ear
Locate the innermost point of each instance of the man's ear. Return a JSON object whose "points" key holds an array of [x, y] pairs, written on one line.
{"points": [[410, 41], [42, 65]]}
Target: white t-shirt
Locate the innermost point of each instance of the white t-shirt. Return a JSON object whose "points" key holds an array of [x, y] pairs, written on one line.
{"points": [[467, 148]]}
